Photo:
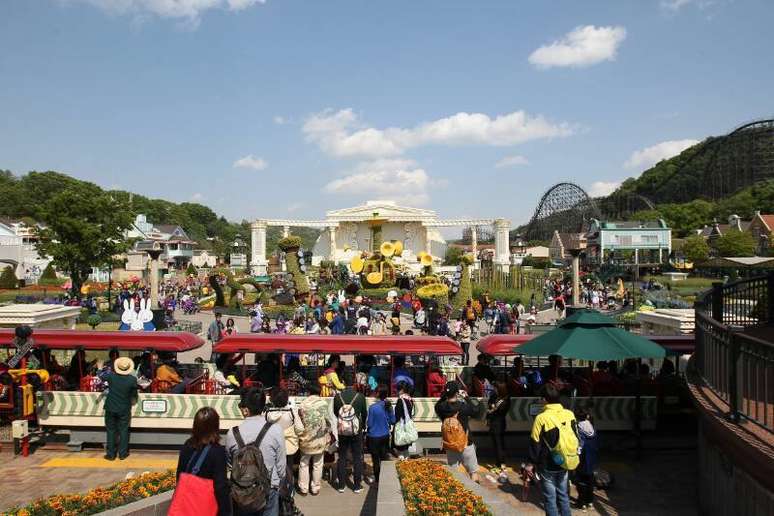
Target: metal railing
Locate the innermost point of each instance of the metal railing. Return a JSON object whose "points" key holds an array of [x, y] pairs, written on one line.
{"points": [[737, 366]]}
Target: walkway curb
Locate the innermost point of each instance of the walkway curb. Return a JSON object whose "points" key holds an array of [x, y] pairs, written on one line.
{"points": [[152, 506], [389, 501], [497, 505]]}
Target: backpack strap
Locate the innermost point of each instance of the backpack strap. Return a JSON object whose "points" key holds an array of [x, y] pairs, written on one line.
{"points": [[238, 438], [261, 434]]}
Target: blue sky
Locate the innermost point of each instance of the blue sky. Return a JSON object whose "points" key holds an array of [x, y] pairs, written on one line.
{"points": [[286, 108]]}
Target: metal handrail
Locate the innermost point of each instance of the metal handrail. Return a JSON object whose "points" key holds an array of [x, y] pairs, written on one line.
{"points": [[736, 366]]}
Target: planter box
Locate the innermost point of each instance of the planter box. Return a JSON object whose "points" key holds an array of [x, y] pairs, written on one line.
{"points": [[389, 501], [152, 506]]}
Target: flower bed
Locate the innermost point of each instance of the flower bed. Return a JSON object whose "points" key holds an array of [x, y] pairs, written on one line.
{"points": [[101, 498], [429, 489]]}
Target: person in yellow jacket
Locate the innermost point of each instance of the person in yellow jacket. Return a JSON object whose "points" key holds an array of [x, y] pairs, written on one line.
{"points": [[553, 449]]}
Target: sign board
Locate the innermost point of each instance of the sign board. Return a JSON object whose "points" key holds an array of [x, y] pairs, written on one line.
{"points": [[21, 352], [154, 406]]}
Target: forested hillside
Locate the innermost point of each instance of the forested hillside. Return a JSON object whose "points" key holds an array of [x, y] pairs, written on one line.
{"points": [[24, 197]]}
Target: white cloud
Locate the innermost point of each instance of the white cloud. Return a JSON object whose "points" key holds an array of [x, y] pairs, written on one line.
{"points": [[250, 161], [649, 156], [399, 179], [341, 134], [197, 197], [676, 5], [189, 10], [279, 120], [602, 188], [295, 206], [512, 161], [581, 47]]}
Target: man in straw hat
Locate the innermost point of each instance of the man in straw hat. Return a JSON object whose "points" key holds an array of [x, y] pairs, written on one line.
{"points": [[122, 389]]}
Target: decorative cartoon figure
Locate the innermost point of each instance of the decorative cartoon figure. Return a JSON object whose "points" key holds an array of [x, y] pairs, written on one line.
{"points": [[137, 316]]}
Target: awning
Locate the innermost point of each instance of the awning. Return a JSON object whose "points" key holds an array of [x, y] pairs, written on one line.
{"points": [[174, 341], [503, 345], [341, 344]]}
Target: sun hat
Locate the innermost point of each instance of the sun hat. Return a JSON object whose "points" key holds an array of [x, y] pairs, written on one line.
{"points": [[123, 366]]}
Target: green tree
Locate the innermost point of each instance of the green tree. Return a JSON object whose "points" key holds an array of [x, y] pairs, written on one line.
{"points": [[191, 270], [453, 255], [84, 228], [735, 244], [8, 278], [695, 249]]}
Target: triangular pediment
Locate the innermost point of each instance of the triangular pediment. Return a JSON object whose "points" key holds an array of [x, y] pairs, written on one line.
{"points": [[384, 209]]}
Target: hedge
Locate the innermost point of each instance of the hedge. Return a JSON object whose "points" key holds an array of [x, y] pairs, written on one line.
{"points": [[8, 278]]}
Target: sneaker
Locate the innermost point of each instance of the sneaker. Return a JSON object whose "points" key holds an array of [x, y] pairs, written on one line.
{"points": [[109, 457], [358, 489], [370, 480], [340, 489], [314, 493]]}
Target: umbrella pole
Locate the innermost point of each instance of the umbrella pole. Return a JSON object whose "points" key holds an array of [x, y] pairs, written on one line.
{"points": [[638, 414]]}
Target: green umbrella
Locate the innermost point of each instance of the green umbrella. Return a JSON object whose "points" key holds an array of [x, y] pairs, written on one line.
{"points": [[589, 335]]}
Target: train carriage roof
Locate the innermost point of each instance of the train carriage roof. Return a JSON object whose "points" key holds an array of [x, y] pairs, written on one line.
{"points": [[341, 344], [171, 341]]}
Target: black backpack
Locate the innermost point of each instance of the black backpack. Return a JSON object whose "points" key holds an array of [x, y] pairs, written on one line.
{"points": [[250, 480]]}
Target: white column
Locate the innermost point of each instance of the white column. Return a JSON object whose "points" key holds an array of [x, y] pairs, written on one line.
{"points": [[285, 231], [258, 247], [332, 235], [502, 243], [474, 242]]}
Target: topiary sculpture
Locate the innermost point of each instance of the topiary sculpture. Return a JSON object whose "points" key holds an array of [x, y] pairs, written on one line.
{"points": [[464, 289], [291, 246]]}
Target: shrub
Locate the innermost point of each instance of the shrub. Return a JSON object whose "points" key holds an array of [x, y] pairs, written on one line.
{"points": [[289, 242], [537, 263], [191, 270], [49, 277], [94, 320], [437, 291], [8, 278], [276, 310], [465, 290]]}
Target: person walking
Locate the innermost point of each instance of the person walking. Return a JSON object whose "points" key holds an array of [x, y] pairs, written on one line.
{"points": [[313, 440], [457, 407], [215, 330], [269, 439], [584, 475], [464, 338], [380, 418], [553, 450], [497, 415], [349, 407], [122, 390], [202, 456]]}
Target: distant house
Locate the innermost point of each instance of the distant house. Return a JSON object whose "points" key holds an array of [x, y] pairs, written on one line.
{"points": [[761, 227], [561, 243], [629, 242], [716, 230], [176, 245], [17, 248], [538, 251]]}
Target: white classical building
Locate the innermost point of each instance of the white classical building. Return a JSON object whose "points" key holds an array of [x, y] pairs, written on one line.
{"points": [[348, 232]]}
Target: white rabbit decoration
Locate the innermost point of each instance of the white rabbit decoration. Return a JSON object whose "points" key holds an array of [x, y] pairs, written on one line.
{"points": [[137, 317]]}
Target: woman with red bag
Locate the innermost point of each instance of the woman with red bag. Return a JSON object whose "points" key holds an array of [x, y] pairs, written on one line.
{"points": [[202, 487]]}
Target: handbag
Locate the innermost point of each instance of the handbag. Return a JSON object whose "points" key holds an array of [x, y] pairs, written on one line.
{"points": [[405, 431], [193, 494]]}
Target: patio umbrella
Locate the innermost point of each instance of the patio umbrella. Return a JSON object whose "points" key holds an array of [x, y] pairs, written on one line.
{"points": [[589, 335]]}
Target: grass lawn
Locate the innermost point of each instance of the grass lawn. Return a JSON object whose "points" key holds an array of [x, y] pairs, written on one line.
{"points": [[686, 287], [105, 326]]}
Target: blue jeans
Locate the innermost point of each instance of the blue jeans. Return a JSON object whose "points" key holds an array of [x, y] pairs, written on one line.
{"points": [[555, 490], [271, 509]]}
